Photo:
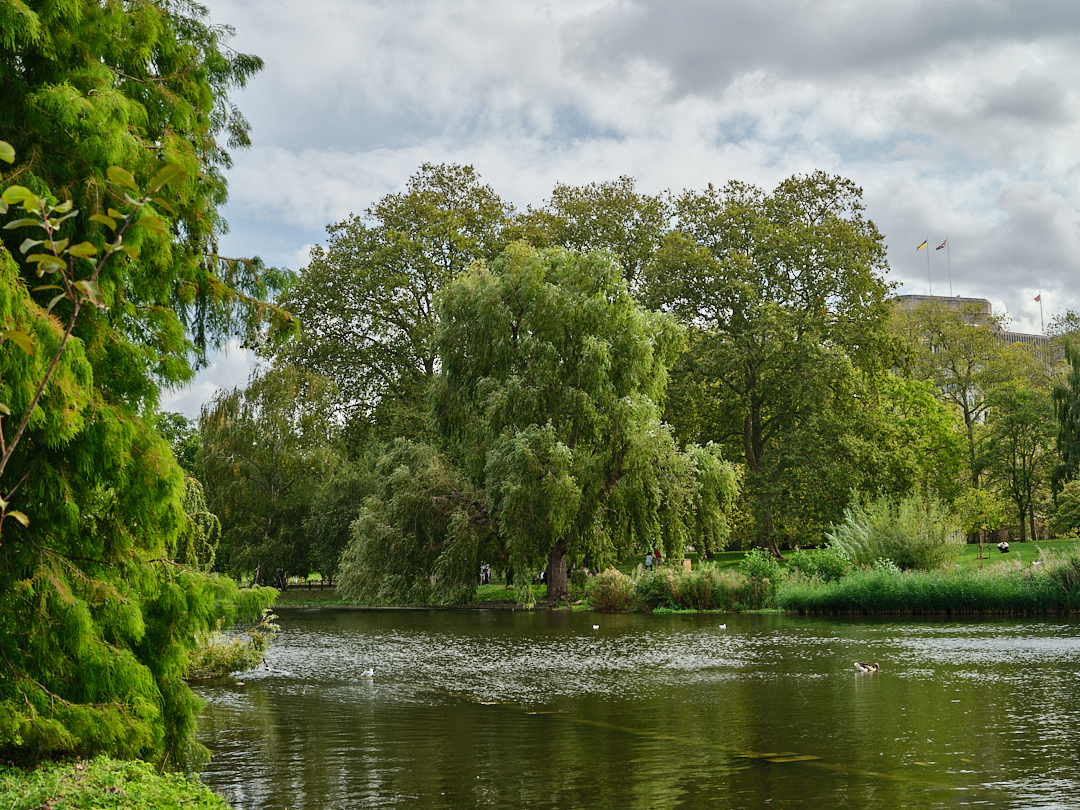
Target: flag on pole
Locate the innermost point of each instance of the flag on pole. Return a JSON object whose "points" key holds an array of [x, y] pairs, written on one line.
{"points": [[920, 247], [1038, 297], [939, 247]]}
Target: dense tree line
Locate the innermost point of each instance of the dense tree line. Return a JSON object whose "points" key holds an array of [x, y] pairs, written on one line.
{"points": [[452, 329]]}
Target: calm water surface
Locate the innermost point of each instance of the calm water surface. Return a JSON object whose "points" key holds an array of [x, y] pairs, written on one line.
{"points": [[518, 710]]}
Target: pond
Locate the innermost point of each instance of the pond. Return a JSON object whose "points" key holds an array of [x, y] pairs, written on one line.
{"points": [[500, 709]]}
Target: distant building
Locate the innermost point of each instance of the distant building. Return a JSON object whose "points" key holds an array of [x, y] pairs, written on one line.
{"points": [[981, 308]]}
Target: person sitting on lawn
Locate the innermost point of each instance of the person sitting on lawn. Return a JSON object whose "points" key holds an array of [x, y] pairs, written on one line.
{"points": [[1003, 546]]}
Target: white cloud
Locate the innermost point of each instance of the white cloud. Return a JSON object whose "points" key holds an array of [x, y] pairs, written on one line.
{"points": [[229, 368], [965, 128]]}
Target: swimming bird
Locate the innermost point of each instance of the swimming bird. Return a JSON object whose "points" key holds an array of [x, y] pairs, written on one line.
{"points": [[723, 627], [596, 627], [239, 683], [867, 668], [368, 673]]}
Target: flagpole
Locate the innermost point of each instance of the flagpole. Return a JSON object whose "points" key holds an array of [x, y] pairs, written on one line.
{"points": [[949, 257], [929, 280]]}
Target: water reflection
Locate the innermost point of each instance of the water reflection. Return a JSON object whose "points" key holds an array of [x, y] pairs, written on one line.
{"points": [[499, 709]]}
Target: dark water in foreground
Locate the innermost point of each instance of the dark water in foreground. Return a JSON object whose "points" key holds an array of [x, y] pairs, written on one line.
{"points": [[519, 710]]}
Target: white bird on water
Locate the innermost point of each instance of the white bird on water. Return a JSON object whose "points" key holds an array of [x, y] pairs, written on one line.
{"points": [[723, 627], [596, 627], [368, 673]]}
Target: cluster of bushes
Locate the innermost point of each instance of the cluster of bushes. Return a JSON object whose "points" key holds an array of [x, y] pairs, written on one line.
{"points": [[707, 588]]}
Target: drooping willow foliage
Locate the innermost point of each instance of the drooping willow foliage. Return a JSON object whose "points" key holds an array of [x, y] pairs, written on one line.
{"points": [[551, 451]]}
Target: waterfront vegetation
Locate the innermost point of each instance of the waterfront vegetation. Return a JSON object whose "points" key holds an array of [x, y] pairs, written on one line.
{"points": [[103, 783], [542, 393]]}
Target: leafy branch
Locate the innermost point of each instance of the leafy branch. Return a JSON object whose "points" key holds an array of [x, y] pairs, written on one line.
{"points": [[72, 270]]}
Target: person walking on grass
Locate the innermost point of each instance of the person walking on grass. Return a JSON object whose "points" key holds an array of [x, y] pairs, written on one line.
{"points": [[648, 561]]}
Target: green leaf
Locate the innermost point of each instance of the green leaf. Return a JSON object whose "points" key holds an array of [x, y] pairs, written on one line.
{"points": [[19, 194], [83, 250], [7, 152], [21, 223], [48, 287], [47, 263], [20, 339], [108, 222], [93, 292], [55, 301], [58, 247], [173, 173], [122, 177], [116, 214], [55, 222], [20, 517], [63, 207], [163, 203], [154, 225], [6, 411], [3, 206], [132, 252], [30, 243]]}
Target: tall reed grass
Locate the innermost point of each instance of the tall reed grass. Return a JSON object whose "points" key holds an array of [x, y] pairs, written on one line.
{"points": [[1053, 586]]}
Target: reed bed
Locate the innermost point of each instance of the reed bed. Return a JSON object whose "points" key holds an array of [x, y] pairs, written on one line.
{"points": [[1051, 586]]}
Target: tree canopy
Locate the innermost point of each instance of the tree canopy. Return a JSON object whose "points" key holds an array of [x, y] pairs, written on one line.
{"points": [[265, 449], [366, 301], [785, 299], [547, 402]]}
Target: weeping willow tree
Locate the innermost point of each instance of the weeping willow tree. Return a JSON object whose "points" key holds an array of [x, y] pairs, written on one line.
{"points": [[547, 405]]}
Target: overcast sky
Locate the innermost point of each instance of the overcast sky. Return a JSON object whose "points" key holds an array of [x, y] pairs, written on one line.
{"points": [[957, 118]]}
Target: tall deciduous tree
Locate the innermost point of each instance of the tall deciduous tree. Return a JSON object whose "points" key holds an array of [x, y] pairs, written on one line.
{"points": [[1066, 400], [366, 301], [1017, 447], [958, 350], [786, 303], [611, 216], [265, 447]]}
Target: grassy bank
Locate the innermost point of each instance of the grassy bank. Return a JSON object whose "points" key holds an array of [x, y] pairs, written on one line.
{"points": [[102, 783]]}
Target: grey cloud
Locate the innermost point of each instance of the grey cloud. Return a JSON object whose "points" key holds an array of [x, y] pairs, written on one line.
{"points": [[1031, 99], [704, 45]]}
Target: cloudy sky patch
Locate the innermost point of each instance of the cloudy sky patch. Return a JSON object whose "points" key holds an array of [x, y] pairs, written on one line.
{"points": [[958, 119]]}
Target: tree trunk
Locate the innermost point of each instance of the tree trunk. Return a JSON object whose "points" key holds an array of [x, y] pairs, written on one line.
{"points": [[1034, 535], [556, 573], [1023, 526]]}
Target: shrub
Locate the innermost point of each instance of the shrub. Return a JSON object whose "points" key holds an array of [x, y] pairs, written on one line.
{"points": [[915, 533], [762, 572], [827, 564], [219, 653], [707, 588], [656, 589], [612, 590], [1066, 517]]}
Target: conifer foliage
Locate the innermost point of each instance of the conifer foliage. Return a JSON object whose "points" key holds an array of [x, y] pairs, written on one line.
{"points": [[97, 617]]}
